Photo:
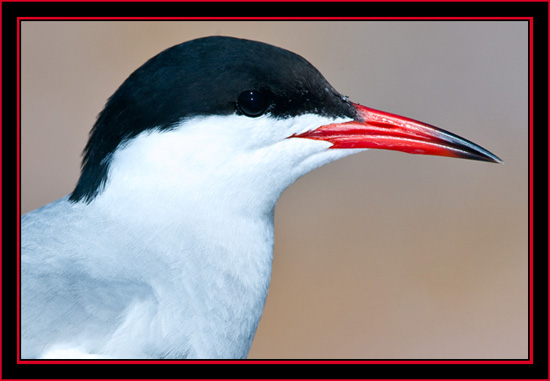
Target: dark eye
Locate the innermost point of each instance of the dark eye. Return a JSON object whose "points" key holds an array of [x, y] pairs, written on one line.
{"points": [[253, 103]]}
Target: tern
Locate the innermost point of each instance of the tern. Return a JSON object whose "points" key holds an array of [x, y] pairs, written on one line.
{"points": [[164, 248]]}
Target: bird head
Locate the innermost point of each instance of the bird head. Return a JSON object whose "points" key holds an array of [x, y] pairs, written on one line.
{"points": [[232, 116]]}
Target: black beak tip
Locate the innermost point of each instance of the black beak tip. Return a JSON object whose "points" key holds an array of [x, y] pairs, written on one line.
{"points": [[489, 157], [482, 154]]}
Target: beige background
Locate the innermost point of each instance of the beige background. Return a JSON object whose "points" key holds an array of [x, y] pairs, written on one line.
{"points": [[379, 255]]}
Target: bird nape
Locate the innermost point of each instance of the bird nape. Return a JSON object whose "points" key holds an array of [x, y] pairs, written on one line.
{"points": [[164, 248]]}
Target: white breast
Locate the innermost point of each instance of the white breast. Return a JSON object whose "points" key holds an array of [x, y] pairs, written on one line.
{"points": [[173, 258]]}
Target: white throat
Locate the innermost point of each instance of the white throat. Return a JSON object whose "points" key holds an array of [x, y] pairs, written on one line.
{"points": [[197, 202]]}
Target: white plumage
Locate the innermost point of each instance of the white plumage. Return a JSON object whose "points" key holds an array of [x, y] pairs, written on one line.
{"points": [[173, 258]]}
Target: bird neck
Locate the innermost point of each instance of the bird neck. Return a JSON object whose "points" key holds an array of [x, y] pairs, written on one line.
{"points": [[197, 212], [210, 252]]}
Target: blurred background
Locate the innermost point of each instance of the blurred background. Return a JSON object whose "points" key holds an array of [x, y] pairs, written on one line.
{"points": [[381, 255]]}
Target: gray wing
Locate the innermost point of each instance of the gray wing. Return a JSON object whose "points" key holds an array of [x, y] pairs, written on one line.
{"points": [[63, 301]]}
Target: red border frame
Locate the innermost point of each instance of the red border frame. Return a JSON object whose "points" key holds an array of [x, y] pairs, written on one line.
{"points": [[252, 361]]}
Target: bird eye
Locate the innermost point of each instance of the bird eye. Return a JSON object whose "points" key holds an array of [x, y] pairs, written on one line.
{"points": [[253, 103]]}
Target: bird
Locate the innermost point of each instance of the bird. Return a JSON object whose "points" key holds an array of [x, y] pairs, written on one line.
{"points": [[164, 248]]}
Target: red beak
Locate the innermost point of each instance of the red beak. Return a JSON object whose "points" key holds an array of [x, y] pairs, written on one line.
{"points": [[382, 130]]}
